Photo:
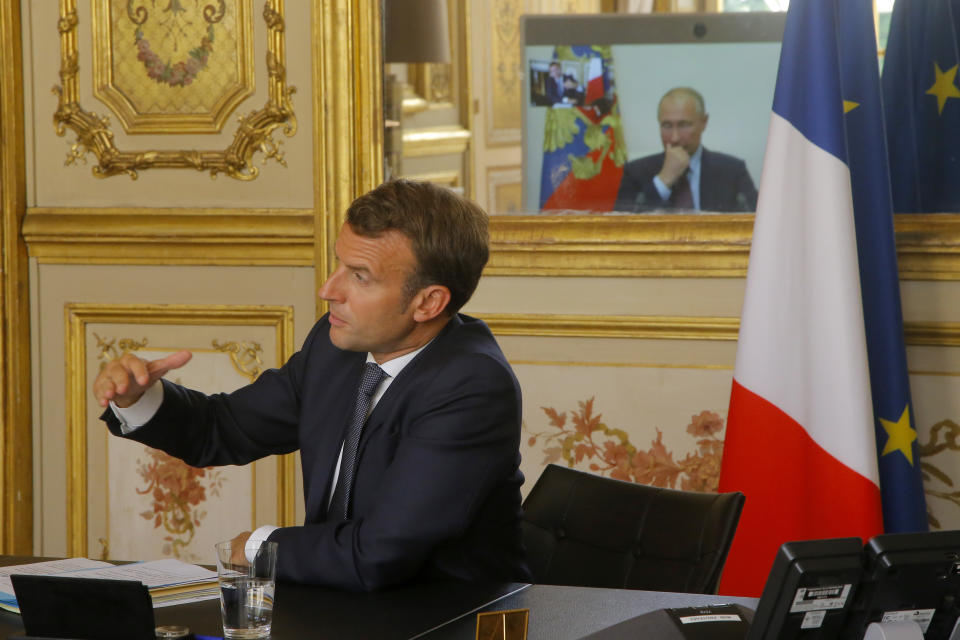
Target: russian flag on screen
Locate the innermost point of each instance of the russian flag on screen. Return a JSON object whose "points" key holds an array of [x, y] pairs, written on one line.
{"points": [[802, 438], [583, 145]]}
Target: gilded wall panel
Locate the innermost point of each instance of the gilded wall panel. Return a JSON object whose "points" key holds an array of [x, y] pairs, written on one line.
{"points": [[504, 189], [181, 68], [237, 320], [644, 399], [116, 487], [170, 139]]}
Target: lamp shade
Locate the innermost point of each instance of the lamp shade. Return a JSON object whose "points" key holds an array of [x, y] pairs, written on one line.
{"points": [[416, 31]]}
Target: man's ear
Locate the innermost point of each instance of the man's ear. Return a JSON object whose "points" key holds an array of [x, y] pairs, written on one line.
{"points": [[430, 302]]}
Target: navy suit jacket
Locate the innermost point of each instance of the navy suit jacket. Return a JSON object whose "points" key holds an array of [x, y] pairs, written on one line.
{"points": [[725, 184], [437, 489]]}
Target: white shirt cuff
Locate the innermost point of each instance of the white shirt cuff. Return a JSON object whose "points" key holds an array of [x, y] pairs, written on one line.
{"points": [[662, 189], [141, 411], [257, 538]]}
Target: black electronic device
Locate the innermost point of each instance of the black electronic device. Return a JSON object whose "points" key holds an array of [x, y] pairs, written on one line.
{"points": [[84, 608], [909, 577], [709, 622], [809, 591]]}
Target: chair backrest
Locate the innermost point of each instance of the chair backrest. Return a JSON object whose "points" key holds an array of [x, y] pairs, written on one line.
{"points": [[587, 530]]}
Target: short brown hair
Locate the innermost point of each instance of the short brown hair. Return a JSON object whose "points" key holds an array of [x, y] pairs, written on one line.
{"points": [[448, 233]]}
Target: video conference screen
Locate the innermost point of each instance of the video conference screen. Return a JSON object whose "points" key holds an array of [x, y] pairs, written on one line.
{"points": [[591, 96]]}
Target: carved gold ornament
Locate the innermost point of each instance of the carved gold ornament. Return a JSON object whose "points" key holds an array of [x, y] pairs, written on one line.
{"points": [[245, 357], [254, 132]]}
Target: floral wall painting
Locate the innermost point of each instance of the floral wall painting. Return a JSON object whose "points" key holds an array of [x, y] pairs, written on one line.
{"points": [[169, 68], [587, 441], [177, 493], [158, 505], [665, 427], [661, 425]]}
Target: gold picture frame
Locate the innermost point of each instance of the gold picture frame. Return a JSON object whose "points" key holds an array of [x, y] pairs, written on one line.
{"points": [[121, 83], [76, 318], [254, 132]]}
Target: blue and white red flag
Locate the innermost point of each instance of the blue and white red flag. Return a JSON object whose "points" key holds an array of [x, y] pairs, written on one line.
{"points": [[803, 431], [583, 145]]}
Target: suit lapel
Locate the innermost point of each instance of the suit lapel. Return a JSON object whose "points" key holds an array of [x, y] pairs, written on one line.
{"points": [[388, 405]]}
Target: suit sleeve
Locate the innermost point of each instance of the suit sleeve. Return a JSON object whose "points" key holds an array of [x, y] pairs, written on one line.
{"points": [[458, 441], [257, 420], [637, 191]]}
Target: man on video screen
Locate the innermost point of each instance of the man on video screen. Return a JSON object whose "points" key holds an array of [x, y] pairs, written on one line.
{"points": [[685, 176]]}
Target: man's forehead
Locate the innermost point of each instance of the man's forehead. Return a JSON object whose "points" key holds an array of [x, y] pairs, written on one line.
{"points": [[385, 250], [678, 107]]}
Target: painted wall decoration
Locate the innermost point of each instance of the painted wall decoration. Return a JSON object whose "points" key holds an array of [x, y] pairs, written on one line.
{"points": [[173, 68], [655, 424], [177, 495], [650, 427], [127, 501], [161, 507], [182, 57], [586, 441]]}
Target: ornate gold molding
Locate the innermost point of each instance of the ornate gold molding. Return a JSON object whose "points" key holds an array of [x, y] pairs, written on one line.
{"points": [[928, 245], [649, 245], [171, 236], [446, 178], [347, 113], [254, 133], [430, 141], [585, 326], [119, 101], [16, 441], [78, 315], [937, 334], [244, 356]]}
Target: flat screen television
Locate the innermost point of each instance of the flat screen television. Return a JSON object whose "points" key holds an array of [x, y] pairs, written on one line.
{"points": [[809, 591], [620, 65], [909, 576]]}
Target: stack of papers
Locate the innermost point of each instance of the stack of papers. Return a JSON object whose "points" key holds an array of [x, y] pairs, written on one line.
{"points": [[170, 581]]}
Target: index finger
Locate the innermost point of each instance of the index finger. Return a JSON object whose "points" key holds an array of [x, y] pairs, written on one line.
{"points": [[159, 368]]}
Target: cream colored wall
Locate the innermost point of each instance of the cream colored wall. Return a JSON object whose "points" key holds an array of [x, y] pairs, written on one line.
{"points": [[655, 354], [53, 286], [86, 273]]}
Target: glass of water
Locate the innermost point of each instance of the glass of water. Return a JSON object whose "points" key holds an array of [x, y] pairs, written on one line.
{"points": [[246, 590]]}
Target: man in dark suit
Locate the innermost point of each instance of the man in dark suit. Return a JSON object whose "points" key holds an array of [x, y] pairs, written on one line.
{"points": [[554, 84], [435, 486], [686, 176]]}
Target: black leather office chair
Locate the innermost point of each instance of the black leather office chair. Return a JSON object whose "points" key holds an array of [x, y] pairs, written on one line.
{"points": [[587, 530]]}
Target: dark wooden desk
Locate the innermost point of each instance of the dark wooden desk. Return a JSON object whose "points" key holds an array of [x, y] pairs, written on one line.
{"points": [[562, 613], [433, 612], [302, 611]]}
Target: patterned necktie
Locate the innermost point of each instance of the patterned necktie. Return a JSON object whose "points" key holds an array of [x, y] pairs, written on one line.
{"points": [[340, 504], [681, 197]]}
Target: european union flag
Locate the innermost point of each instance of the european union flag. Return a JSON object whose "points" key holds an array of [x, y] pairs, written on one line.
{"points": [[901, 483], [922, 103]]}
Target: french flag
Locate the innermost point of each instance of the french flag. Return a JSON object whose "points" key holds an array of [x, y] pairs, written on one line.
{"points": [[802, 436]]}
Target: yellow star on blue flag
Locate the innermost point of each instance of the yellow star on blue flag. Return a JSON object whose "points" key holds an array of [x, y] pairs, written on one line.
{"points": [[943, 87], [900, 435]]}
